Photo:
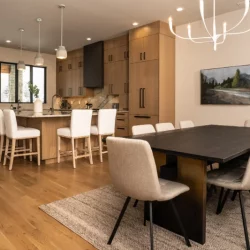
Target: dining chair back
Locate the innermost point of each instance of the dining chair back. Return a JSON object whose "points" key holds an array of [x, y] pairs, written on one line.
{"points": [[186, 124], [247, 123], [143, 129], [2, 126], [161, 127]]}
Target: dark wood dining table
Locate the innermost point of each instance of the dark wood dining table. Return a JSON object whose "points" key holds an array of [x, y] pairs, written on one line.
{"points": [[194, 148]]}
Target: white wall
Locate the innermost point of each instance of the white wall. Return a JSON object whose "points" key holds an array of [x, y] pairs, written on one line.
{"points": [[191, 58], [13, 55]]}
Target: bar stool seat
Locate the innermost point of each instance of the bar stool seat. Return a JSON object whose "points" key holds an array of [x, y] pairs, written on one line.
{"points": [[26, 133], [65, 132]]}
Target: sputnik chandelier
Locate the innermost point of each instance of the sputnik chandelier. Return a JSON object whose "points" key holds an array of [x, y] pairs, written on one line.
{"points": [[214, 37]]}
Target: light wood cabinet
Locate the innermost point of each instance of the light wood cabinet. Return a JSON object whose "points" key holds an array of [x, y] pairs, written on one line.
{"points": [[121, 53], [70, 76], [121, 125], [151, 75]]}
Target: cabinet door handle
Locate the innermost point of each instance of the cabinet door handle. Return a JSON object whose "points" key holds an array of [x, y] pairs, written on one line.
{"points": [[140, 56], [144, 55], [111, 57], [140, 100], [127, 54], [143, 98], [142, 116], [121, 128]]}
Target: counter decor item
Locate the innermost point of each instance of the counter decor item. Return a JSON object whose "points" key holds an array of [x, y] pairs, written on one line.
{"points": [[38, 104]]}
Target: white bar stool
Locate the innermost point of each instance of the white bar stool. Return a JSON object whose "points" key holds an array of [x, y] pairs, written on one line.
{"points": [[105, 127], [79, 128], [15, 133]]}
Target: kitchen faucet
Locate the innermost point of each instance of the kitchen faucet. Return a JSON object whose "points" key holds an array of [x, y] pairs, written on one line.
{"points": [[52, 109]]}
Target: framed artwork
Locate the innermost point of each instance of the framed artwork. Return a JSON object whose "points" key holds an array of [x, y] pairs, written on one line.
{"points": [[229, 85]]}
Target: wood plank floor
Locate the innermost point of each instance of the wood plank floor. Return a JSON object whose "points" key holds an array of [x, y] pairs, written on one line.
{"points": [[22, 224]]}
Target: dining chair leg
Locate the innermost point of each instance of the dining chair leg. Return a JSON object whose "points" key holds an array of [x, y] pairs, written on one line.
{"points": [[30, 147], [234, 195], [90, 151], [119, 220], [223, 201], [58, 148], [73, 152], [135, 204], [219, 201], [145, 214], [180, 223], [100, 147], [38, 151], [24, 147], [6, 150], [211, 167], [151, 226], [12, 153], [1, 147], [244, 220]]}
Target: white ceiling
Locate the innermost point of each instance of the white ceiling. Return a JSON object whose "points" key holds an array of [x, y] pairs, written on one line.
{"points": [[98, 19]]}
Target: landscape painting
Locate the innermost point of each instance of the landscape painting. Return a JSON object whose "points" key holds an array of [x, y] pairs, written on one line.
{"points": [[229, 85]]}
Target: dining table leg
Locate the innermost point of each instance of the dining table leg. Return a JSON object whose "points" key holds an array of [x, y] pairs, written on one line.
{"points": [[192, 204]]}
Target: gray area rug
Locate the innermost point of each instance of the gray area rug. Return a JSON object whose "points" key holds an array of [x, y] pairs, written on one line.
{"points": [[93, 214]]}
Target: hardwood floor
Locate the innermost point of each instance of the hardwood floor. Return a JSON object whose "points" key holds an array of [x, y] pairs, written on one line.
{"points": [[22, 224]]}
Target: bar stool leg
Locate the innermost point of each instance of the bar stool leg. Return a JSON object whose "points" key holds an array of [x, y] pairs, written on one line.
{"points": [[73, 152], [76, 146], [90, 151], [24, 146], [58, 148], [12, 153], [6, 150], [38, 151], [100, 147], [30, 147], [1, 147]]}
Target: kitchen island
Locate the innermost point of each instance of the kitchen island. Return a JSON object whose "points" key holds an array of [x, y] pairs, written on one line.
{"points": [[48, 125]]}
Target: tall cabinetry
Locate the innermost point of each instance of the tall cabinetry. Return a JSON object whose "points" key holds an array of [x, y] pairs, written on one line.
{"points": [[69, 80], [116, 65], [151, 75]]}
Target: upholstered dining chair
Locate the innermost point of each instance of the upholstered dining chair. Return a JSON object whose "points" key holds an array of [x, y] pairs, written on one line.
{"points": [[133, 172], [232, 178], [186, 124], [247, 123], [143, 129], [161, 127]]}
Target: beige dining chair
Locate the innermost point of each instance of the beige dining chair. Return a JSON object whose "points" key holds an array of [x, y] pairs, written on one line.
{"points": [[161, 127], [133, 172], [233, 178], [186, 124], [247, 123], [143, 129]]}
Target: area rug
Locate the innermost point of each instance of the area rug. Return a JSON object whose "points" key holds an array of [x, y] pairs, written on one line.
{"points": [[93, 214]]}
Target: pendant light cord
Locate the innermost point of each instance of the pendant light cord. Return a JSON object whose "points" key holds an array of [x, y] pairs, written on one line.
{"points": [[39, 38], [21, 43], [61, 26]]}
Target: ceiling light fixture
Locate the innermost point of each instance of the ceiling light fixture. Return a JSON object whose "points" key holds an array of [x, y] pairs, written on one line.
{"points": [[179, 9], [39, 61], [135, 23], [214, 37], [61, 52], [8, 41], [21, 65], [89, 38]]}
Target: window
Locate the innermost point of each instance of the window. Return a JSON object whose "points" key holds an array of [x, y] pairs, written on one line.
{"points": [[14, 84]]}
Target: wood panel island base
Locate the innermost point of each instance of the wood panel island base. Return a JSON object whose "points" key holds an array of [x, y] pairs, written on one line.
{"points": [[48, 125]]}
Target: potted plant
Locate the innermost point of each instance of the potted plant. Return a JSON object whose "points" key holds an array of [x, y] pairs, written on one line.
{"points": [[38, 104]]}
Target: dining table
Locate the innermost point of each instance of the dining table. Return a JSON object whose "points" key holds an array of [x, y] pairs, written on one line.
{"points": [[195, 148]]}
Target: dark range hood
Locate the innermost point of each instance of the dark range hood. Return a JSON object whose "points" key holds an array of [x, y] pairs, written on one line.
{"points": [[93, 70]]}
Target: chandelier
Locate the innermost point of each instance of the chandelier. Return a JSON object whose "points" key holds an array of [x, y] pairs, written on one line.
{"points": [[213, 37]]}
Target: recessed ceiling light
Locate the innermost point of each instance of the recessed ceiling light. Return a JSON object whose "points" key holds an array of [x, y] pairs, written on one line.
{"points": [[135, 23], [179, 9], [8, 41], [89, 38]]}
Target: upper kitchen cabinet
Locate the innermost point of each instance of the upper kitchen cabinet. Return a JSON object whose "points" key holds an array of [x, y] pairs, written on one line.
{"points": [[151, 74]]}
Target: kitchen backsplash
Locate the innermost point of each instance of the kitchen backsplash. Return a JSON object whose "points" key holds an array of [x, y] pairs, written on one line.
{"points": [[99, 100]]}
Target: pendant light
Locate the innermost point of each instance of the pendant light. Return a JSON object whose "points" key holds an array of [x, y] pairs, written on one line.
{"points": [[39, 61], [61, 52], [21, 65]]}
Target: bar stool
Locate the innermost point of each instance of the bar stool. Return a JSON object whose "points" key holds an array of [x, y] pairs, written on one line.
{"points": [[15, 133], [79, 128], [105, 127]]}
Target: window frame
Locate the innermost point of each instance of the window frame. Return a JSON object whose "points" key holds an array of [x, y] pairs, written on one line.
{"points": [[31, 80]]}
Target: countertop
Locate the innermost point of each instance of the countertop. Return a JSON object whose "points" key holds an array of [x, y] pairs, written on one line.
{"points": [[30, 115]]}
